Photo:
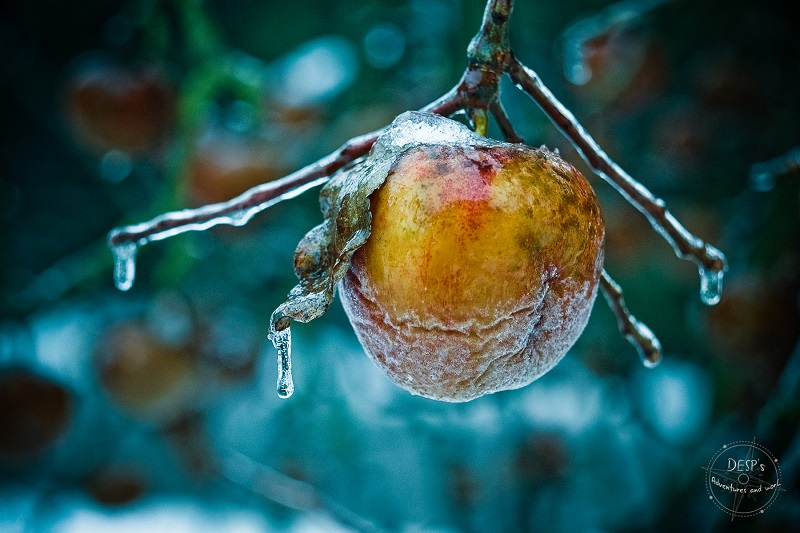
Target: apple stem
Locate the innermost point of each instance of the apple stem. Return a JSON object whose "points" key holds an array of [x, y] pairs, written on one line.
{"points": [[504, 123], [638, 334], [480, 120]]}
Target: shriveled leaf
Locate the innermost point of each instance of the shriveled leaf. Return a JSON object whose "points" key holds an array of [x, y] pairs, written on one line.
{"points": [[323, 256]]}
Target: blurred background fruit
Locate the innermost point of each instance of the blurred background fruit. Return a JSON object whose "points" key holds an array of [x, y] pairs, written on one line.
{"points": [[145, 375], [115, 107], [34, 412]]}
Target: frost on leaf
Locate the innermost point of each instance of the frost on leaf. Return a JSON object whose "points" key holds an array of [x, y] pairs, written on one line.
{"points": [[323, 256]]}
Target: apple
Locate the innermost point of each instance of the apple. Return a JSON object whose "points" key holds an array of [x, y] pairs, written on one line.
{"points": [[112, 107], [34, 412], [480, 270], [145, 376]]}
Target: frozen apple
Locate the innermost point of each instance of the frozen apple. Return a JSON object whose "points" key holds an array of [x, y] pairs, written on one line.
{"points": [[480, 270]]}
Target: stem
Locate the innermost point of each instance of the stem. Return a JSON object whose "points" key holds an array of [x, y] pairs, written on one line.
{"points": [[503, 122], [686, 245], [639, 335]]}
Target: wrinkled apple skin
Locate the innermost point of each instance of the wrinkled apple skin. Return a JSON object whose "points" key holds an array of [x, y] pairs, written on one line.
{"points": [[480, 271]]}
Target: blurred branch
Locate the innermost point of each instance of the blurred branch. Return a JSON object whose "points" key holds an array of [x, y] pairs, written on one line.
{"points": [[613, 19], [764, 174], [284, 490]]}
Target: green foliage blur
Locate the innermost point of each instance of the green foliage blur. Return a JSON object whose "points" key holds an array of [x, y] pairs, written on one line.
{"points": [[155, 409]]}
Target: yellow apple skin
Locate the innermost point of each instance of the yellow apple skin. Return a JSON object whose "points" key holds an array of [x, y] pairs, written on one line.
{"points": [[480, 271]]}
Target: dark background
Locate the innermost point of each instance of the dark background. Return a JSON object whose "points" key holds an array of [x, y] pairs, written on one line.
{"points": [[127, 409]]}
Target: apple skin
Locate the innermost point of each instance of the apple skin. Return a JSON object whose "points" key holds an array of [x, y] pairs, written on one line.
{"points": [[480, 271]]}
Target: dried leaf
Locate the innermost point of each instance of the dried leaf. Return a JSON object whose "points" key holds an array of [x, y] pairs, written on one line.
{"points": [[323, 255]]}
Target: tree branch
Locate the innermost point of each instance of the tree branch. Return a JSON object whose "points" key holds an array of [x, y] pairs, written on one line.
{"points": [[284, 490], [501, 118], [489, 57], [639, 335], [241, 209], [711, 261]]}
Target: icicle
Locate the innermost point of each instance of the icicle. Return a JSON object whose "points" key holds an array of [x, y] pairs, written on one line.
{"points": [[124, 265], [282, 340], [710, 286]]}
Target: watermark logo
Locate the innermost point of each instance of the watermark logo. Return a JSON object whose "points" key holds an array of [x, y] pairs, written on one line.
{"points": [[743, 479]]}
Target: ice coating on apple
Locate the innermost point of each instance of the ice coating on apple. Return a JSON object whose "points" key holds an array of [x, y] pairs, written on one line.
{"points": [[466, 265], [481, 269], [323, 256]]}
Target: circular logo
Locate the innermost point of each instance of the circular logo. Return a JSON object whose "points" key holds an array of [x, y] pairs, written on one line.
{"points": [[743, 478]]}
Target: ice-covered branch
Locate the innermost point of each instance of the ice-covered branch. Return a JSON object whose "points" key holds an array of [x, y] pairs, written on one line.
{"points": [[489, 57], [639, 335], [503, 122], [710, 261], [125, 241]]}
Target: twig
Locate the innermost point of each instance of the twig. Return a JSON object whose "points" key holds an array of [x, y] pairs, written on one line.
{"points": [[284, 490], [241, 209], [639, 335], [506, 128], [686, 245], [764, 174]]}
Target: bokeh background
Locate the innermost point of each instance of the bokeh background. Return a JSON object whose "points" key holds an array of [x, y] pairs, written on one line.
{"points": [[155, 409]]}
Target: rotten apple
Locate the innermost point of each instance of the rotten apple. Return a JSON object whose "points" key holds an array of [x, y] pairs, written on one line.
{"points": [[480, 270]]}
